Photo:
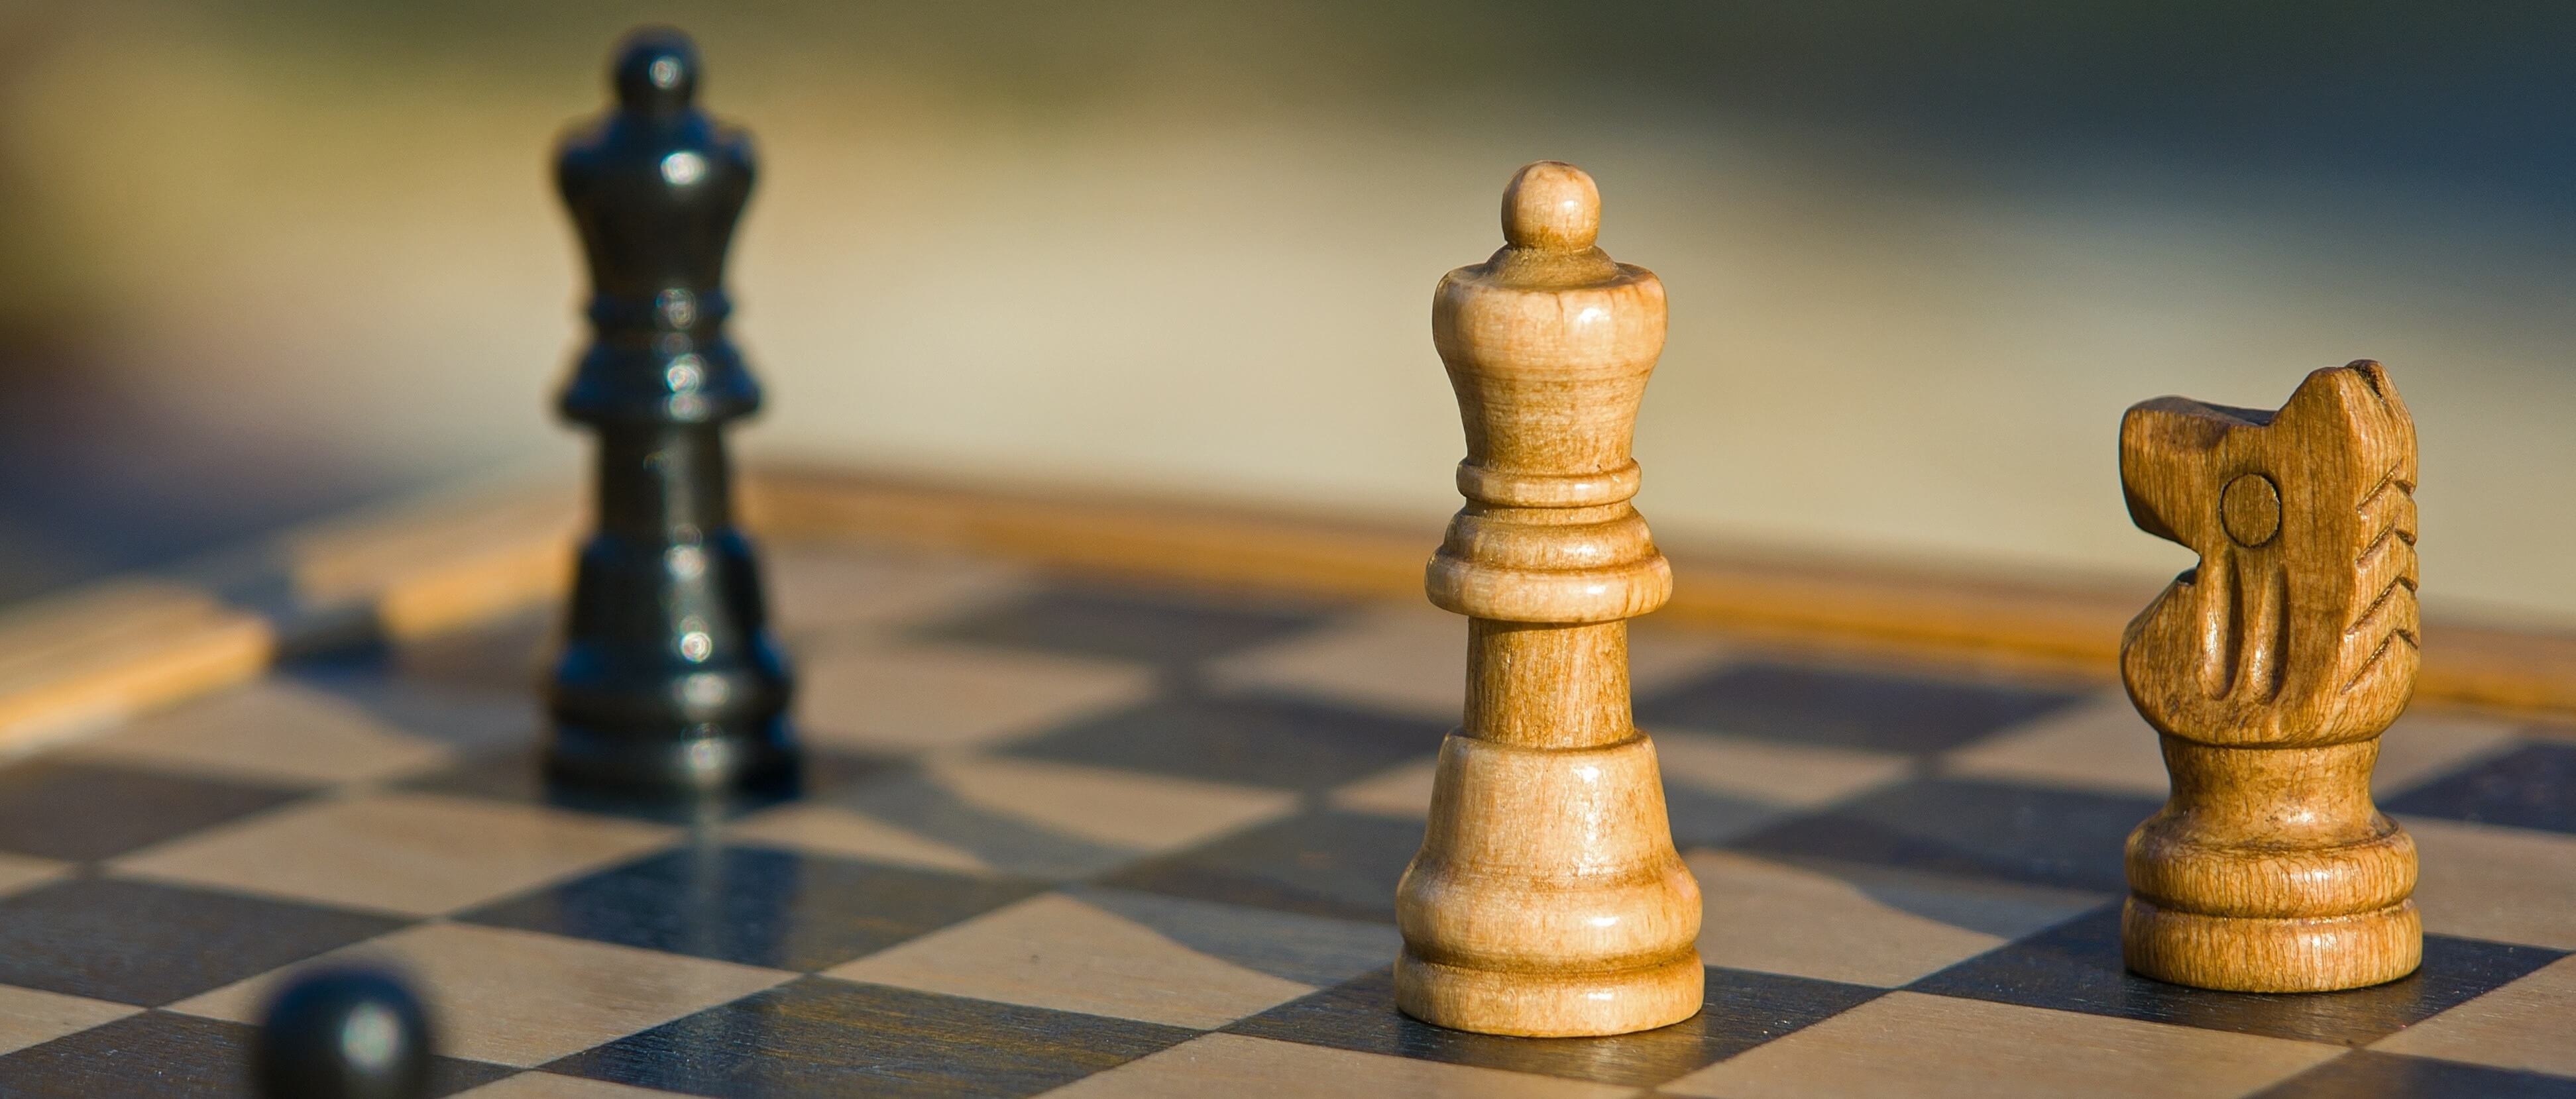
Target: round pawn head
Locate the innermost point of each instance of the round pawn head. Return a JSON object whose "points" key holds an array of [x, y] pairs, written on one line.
{"points": [[1552, 206], [656, 71], [343, 1034]]}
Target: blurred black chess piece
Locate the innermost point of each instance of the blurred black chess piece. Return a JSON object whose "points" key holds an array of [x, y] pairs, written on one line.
{"points": [[669, 679], [343, 1034]]}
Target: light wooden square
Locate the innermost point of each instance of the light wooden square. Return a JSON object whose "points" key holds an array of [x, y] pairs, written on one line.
{"points": [[1402, 657], [1860, 925], [2098, 744], [1103, 816], [2102, 744], [1056, 952], [1910, 1044], [28, 1016], [2425, 742], [818, 588], [547, 1085], [1240, 1067], [1411, 658], [274, 731], [1401, 791], [19, 873], [414, 854], [2489, 882], [1144, 813], [912, 697], [832, 830], [2529, 1024], [522, 997], [1793, 776], [1786, 776]]}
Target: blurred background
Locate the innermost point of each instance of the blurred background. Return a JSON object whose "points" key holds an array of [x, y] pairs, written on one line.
{"points": [[261, 262]]}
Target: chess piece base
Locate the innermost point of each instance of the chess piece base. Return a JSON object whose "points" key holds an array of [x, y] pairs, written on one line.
{"points": [[702, 762], [1547, 899], [1549, 1005], [2262, 954]]}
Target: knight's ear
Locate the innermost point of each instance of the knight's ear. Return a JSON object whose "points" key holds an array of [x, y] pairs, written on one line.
{"points": [[2164, 449]]}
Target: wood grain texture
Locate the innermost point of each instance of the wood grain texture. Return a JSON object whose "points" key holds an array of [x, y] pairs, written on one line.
{"points": [[2270, 670], [1547, 898]]}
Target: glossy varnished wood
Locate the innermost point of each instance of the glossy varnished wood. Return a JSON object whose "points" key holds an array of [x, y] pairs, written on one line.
{"points": [[2270, 670], [669, 676], [1547, 898]]}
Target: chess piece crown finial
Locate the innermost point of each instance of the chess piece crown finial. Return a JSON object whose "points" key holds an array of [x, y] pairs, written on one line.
{"points": [[656, 189], [656, 70], [1551, 225], [1549, 344], [1552, 205], [655, 186]]}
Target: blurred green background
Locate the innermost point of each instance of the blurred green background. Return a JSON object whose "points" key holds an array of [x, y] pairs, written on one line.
{"points": [[260, 262]]}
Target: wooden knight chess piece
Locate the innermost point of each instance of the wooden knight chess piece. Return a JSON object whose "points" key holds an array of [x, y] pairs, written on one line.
{"points": [[2270, 670], [1547, 899]]}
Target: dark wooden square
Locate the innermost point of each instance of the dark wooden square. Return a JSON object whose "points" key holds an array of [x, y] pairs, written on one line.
{"points": [[754, 905], [2035, 834], [2533, 786], [171, 1056], [1322, 863], [2076, 966], [518, 775], [1157, 625], [75, 810], [142, 943], [1743, 1010], [822, 1037], [2365, 1074], [1249, 740], [1844, 708]]}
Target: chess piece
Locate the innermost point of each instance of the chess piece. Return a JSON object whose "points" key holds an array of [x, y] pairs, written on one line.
{"points": [[1547, 899], [2270, 670], [669, 678], [343, 1034]]}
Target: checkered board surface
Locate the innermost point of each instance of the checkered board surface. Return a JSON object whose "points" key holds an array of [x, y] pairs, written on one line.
{"points": [[1074, 838]]}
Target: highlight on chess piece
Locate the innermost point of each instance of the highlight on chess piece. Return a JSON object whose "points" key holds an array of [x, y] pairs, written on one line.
{"points": [[1547, 898], [669, 678], [2270, 671]]}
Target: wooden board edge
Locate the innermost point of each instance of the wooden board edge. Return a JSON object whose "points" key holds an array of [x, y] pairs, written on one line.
{"points": [[2052, 626], [93, 682]]}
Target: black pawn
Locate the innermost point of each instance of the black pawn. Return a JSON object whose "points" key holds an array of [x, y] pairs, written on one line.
{"points": [[669, 679], [343, 1034]]}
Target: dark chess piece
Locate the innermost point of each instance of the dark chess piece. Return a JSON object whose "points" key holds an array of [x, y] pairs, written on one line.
{"points": [[343, 1034], [669, 678]]}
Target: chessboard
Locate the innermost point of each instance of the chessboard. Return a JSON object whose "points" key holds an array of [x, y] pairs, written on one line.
{"points": [[1081, 831]]}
